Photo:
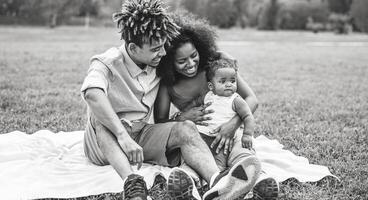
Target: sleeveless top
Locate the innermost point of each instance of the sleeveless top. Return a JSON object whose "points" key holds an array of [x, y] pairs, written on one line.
{"points": [[223, 107], [183, 103]]}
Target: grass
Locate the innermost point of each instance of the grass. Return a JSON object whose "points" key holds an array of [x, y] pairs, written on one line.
{"points": [[313, 90]]}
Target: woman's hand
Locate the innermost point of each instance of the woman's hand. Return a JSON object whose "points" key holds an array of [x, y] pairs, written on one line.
{"points": [[197, 115], [226, 55], [225, 136]]}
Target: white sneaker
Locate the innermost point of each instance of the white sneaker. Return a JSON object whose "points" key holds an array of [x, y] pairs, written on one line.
{"points": [[236, 181]]}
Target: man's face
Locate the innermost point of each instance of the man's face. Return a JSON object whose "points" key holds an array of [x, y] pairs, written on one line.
{"points": [[151, 54]]}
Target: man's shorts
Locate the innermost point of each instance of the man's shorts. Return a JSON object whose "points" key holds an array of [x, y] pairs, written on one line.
{"points": [[153, 138]]}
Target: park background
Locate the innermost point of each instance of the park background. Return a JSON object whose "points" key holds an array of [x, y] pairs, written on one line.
{"points": [[305, 59]]}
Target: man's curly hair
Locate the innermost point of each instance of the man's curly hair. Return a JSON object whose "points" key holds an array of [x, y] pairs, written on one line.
{"points": [[217, 64], [143, 21], [192, 30]]}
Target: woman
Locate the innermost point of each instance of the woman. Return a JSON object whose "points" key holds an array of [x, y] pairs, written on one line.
{"points": [[184, 84]]}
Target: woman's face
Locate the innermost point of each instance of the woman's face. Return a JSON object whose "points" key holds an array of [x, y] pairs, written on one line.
{"points": [[187, 60]]}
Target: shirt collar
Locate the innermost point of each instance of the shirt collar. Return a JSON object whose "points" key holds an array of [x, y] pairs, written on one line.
{"points": [[133, 68]]}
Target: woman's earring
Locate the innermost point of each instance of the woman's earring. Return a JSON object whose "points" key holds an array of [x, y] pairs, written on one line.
{"points": [[210, 86]]}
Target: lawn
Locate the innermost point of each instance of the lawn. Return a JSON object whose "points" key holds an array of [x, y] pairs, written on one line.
{"points": [[313, 92]]}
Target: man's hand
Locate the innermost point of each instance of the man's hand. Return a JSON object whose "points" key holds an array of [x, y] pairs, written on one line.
{"points": [[197, 114], [133, 151], [247, 141]]}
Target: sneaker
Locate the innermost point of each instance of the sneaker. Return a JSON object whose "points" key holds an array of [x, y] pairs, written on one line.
{"points": [[235, 182], [158, 191], [266, 189], [135, 188], [181, 186]]}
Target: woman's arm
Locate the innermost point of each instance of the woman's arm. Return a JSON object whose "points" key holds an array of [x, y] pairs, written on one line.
{"points": [[247, 93], [162, 105], [243, 88]]}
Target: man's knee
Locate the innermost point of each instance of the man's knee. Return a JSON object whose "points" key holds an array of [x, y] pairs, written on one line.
{"points": [[104, 136], [185, 131]]}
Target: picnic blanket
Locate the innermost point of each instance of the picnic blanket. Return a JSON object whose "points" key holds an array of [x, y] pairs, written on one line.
{"points": [[53, 165]]}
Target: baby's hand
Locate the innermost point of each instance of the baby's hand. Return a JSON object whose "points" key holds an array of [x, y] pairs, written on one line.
{"points": [[247, 141]]}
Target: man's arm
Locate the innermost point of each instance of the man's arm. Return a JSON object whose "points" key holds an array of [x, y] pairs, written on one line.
{"points": [[104, 113]]}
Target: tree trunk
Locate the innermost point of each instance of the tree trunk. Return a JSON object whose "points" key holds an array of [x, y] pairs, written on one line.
{"points": [[87, 20], [53, 20]]}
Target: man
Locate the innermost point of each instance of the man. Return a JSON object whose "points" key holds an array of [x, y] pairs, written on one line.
{"points": [[120, 90]]}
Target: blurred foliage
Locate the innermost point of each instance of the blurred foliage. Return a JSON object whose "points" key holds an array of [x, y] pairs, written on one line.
{"points": [[295, 14], [340, 23], [339, 6], [47, 12], [269, 16], [221, 13], [359, 13], [264, 14]]}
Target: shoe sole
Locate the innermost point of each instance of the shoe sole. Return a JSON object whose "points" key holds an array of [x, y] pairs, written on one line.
{"points": [[158, 191], [267, 189], [180, 185], [237, 172]]}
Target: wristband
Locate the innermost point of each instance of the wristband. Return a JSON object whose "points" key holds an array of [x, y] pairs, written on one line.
{"points": [[176, 115]]}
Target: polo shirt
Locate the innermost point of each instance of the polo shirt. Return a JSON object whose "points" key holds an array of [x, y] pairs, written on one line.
{"points": [[131, 90]]}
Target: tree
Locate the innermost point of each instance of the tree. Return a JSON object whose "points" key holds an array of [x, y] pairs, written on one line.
{"points": [[197, 7], [298, 14], [269, 18], [359, 13], [10, 7], [221, 13], [57, 11], [339, 6], [51, 12], [88, 8], [241, 12]]}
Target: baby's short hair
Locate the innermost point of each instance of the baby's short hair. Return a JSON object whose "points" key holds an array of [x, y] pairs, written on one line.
{"points": [[220, 63], [142, 21]]}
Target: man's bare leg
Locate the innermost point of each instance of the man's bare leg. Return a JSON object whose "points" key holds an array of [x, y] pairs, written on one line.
{"points": [[134, 185], [113, 153], [194, 150]]}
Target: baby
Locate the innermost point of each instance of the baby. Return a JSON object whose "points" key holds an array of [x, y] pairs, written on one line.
{"points": [[222, 83], [226, 103]]}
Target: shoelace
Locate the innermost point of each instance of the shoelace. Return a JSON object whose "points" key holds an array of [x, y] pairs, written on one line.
{"points": [[135, 187]]}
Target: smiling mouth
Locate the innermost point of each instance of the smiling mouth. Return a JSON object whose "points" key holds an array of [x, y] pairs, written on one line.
{"points": [[191, 70], [157, 59]]}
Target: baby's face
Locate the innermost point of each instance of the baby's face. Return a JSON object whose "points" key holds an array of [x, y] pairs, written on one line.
{"points": [[224, 83]]}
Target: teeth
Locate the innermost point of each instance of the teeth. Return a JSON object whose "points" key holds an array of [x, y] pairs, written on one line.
{"points": [[191, 70]]}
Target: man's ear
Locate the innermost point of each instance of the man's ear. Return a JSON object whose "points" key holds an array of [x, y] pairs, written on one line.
{"points": [[132, 47], [210, 86]]}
